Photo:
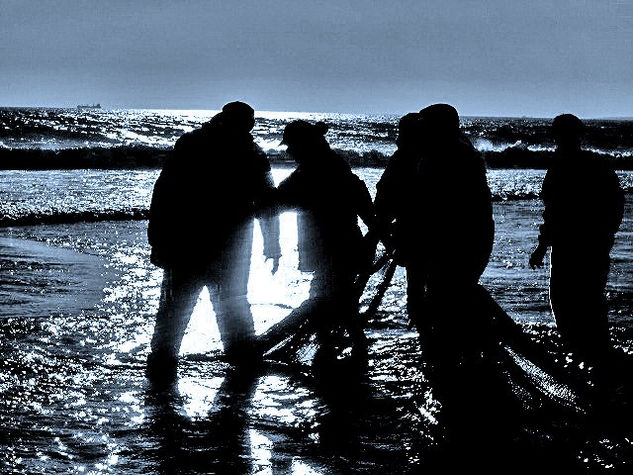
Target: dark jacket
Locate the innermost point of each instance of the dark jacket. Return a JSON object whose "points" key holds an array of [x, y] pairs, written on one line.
{"points": [[457, 205], [209, 188], [330, 198], [584, 203], [398, 222], [442, 208]]}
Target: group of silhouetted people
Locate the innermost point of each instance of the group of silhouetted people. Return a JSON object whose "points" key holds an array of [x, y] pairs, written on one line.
{"points": [[432, 210]]}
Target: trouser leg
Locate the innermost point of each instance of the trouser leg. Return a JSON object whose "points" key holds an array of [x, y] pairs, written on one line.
{"points": [[416, 282], [229, 294], [179, 294], [233, 314], [578, 301], [461, 350], [332, 289]]}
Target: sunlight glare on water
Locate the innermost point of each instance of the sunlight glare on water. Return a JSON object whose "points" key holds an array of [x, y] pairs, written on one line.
{"points": [[271, 297], [198, 395]]}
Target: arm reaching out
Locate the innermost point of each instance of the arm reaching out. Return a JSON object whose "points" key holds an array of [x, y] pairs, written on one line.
{"points": [[537, 256]]}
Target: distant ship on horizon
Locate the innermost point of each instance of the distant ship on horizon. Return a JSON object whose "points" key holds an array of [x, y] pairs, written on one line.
{"points": [[89, 106]]}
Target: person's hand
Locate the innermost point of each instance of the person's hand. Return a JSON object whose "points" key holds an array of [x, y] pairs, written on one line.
{"points": [[536, 258], [275, 266]]}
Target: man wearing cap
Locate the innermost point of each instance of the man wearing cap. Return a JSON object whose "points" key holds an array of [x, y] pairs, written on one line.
{"points": [[584, 205], [330, 198], [201, 230]]}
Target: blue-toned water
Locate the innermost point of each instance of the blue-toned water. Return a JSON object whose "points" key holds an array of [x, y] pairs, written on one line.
{"points": [[78, 297], [371, 137], [73, 391]]}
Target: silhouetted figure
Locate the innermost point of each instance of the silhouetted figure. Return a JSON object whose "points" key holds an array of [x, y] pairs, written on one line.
{"points": [[330, 198], [454, 205], [399, 223], [457, 207], [201, 229], [435, 189], [584, 205]]}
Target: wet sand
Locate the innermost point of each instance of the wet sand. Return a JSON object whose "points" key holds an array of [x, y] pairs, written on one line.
{"points": [[40, 280], [74, 397]]}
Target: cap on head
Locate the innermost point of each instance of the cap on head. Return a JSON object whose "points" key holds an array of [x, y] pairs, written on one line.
{"points": [[441, 118], [238, 115], [301, 131], [409, 122], [409, 128], [567, 125]]}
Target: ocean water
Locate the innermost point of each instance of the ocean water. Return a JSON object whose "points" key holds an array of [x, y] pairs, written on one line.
{"points": [[506, 141], [79, 295], [73, 393]]}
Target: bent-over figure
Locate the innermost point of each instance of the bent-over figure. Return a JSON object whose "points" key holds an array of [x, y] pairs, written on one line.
{"points": [[329, 198]]}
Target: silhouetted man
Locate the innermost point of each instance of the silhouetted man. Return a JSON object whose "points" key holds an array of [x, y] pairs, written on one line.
{"points": [[399, 223], [435, 188], [201, 230], [330, 199], [584, 205], [457, 203]]}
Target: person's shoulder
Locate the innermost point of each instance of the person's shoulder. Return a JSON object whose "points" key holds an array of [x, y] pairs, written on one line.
{"points": [[338, 159], [397, 161], [469, 157], [258, 152], [257, 157], [395, 157], [596, 164], [189, 140]]}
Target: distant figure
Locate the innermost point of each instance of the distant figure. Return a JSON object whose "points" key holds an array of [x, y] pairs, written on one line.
{"points": [[584, 205], [330, 198], [201, 231]]}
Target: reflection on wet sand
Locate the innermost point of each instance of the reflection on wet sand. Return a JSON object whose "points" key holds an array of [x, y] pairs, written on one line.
{"points": [[39, 280], [74, 397], [271, 418]]}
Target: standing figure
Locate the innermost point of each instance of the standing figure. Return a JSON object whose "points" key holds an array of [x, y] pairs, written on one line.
{"points": [[435, 189], [584, 205], [398, 222], [330, 199], [201, 232], [455, 205]]}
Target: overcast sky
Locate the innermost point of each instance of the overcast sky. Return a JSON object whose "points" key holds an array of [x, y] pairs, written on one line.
{"points": [[487, 57]]}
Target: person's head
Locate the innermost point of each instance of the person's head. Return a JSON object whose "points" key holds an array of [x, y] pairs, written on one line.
{"points": [[409, 130], [305, 140], [440, 123], [238, 117], [215, 123], [567, 130]]}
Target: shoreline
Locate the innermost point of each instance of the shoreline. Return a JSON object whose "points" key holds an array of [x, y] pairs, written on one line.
{"points": [[41, 280]]}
